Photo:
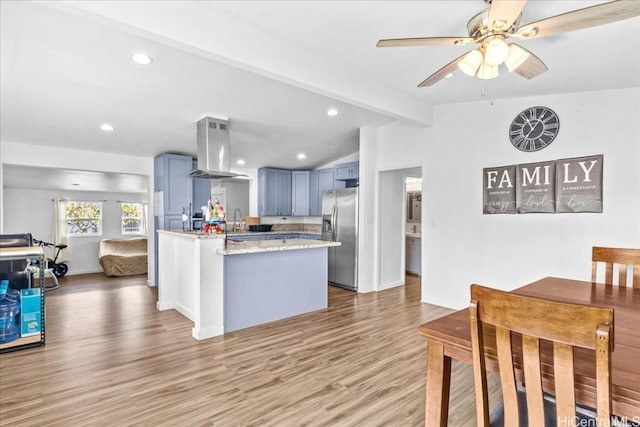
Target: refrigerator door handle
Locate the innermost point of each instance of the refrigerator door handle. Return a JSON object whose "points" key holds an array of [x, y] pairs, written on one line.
{"points": [[334, 217]]}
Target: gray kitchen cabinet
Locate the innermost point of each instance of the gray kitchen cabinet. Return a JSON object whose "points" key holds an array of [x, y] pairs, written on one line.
{"points": [[300, 193], [201, 192], [171, 177], [413, 254], [278, 236], [245, 237], [309, 236], [319, 181], [274, 192], [347, 171], [314, 193], [171, 183]]}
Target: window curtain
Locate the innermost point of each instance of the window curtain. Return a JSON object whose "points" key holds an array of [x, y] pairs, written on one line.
{"points": [[144, 219], [59, 227]]}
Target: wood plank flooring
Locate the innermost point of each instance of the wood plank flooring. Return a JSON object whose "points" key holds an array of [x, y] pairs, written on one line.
{"points": [[112, 359]]}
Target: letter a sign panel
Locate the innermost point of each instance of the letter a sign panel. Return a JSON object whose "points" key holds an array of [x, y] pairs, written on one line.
{"points": [[579, 184]]}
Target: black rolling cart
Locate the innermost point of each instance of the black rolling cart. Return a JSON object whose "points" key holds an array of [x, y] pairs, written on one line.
{"points": [[33, 257]]}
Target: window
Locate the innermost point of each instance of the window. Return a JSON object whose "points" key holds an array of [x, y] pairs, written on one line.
{"points": [[84, 218], [131, 214]]}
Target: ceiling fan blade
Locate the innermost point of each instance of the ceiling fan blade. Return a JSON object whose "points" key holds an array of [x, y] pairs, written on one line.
{"points": [[503, 13], [591, 16], [531, 67], [442, 72], [424, 41]]}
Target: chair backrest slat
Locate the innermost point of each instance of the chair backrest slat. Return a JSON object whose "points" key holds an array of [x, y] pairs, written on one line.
{"points": [[567, 326], [531, 361], [620, 257], [563, 380], [509, 390]]}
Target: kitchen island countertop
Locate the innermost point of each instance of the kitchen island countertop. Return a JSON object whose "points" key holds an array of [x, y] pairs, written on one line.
{"points": [[249, 247], [231, 235]]}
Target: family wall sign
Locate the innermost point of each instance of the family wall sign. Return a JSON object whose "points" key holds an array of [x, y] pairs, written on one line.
{"points": [[555, 186]]}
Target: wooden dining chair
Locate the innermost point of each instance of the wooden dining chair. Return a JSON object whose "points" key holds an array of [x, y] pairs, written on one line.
{"points": [[619, 257], [567, 326]]}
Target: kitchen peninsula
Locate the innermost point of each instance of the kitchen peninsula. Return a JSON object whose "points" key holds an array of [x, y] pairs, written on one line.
{"points": [[223, 288]]}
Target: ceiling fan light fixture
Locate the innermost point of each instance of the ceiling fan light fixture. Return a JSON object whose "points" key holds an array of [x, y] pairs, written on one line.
{"points": [[470, 63], [487, 71], [496, 50], [516, 57]]}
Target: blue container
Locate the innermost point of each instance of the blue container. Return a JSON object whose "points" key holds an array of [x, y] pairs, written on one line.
{"points": [[9, 314]]}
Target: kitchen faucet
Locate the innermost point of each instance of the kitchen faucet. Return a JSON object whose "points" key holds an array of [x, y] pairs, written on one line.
{"points": [[239, 213]]}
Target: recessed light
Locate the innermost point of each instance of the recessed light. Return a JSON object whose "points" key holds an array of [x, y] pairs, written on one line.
{"points": [[240, 162], [448, 75], [302, 156], [106, 127], [141, 58], [332, 112]]}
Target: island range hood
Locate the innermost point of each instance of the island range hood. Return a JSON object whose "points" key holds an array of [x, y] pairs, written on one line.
{"points": [[213, 150]]}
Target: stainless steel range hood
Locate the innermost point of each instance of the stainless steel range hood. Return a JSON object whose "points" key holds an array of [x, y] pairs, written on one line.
{"points": [[213, 150]]}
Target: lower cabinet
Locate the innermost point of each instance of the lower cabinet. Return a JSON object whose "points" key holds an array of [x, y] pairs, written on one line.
{"points": [[413, 263], [309, 236], [265, 236]]}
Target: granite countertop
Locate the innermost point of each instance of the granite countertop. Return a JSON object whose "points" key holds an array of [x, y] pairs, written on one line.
{"points": [[197, 234], [192, 234], [253, 233], [256, 246]]}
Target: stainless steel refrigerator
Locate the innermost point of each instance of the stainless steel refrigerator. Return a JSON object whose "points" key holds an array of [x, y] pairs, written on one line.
{"points": [[340, 224]]}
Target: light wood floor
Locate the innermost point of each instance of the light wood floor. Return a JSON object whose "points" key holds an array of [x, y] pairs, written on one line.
{"points": [[112, 359]]}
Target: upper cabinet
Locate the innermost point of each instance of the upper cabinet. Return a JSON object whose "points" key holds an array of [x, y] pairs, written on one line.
{"points": [[347, 171], [274, 192], [319, 181], [171, 177], [300, 193], [201, 192]]}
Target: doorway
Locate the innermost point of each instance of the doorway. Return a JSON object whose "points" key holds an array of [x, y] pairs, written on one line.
{"points": [[392, 231]]}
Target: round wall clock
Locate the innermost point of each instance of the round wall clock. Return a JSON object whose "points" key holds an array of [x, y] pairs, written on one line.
{"points": [[534, 129]]}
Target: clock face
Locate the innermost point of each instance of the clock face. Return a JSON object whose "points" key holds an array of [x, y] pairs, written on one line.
{"points": [[534, 128]]}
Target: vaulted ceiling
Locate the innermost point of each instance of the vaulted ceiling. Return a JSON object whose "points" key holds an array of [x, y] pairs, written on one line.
{"points": [[273, 68]]}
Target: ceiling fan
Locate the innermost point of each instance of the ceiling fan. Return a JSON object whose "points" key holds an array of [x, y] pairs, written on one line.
{"points": [[501, 21]]}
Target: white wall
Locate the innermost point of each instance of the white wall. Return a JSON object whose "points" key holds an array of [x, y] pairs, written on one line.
{"points": [[461, 245], [391, 147], [30, 211], [55, 157], [392, 240], [506, 251]]}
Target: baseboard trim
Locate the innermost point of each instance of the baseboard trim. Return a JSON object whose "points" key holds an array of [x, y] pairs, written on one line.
{"points": [[86, 271], [391, 285]]}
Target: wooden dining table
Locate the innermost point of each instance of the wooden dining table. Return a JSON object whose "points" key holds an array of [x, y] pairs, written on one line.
{"points": [[449, 338]]}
